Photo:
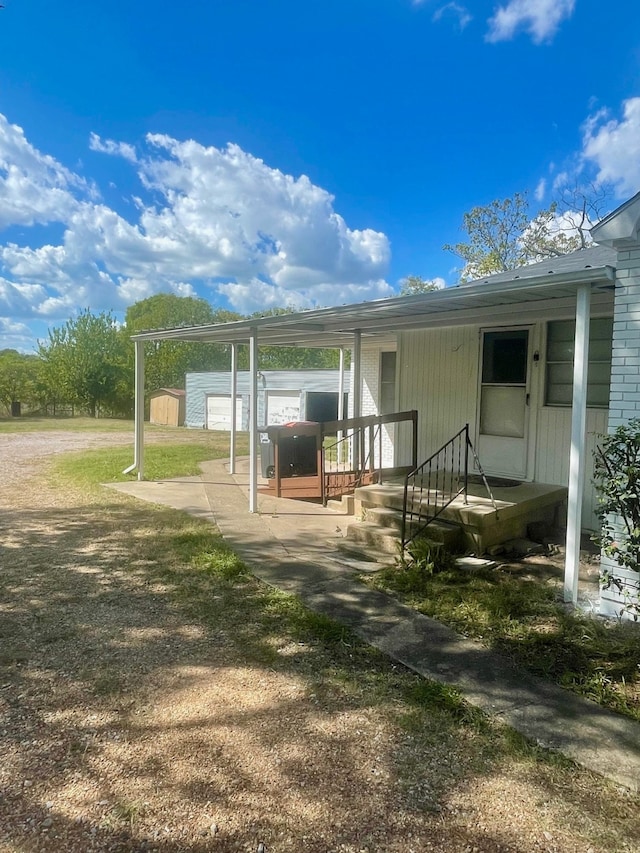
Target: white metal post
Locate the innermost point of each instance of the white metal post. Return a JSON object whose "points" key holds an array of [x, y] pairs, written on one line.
{"points": [[357, 374], [234, 392], [340, 433], [341, 387], [356, 392], [253, 421], [578, 435], [139, 410]]}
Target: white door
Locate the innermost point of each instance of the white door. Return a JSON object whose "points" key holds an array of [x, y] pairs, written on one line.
{"points": [[219, 412], [503, 416], [282, 407]]}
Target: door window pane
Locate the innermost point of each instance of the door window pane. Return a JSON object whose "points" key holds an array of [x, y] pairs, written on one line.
{"points": [[504, 357], [502, 411]]}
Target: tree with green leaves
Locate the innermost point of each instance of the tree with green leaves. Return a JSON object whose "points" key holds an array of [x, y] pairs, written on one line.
{"points": [[18, 378], [414, 284], [291, 358], [617, 482], [166, 362], [503, 236], [85, 364]]}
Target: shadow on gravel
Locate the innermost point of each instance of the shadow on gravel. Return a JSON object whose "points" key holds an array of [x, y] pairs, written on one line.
{"points": [[152, 688]]}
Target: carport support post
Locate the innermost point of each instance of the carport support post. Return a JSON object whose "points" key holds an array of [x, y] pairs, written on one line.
{"points": [[578, 430], [357, 392], [138, 458], [253, 421], [340, 434], [234, 392], [341, 387]]}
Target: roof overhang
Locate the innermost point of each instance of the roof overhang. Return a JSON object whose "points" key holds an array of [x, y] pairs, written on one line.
{"points": [[522, 298], [621, 228]]}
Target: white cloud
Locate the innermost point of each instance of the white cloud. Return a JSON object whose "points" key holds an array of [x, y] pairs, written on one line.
{"points": [[540, 18], [567, 223], [563, 179], [204, 218], [16, 336], [540, 189], [612, 146], [16, 299], [34, 187], [108, 146], [456, 10], [257, 295], [437, 282]]}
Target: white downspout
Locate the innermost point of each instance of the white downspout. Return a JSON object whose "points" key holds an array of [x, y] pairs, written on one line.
{"points": [[234, 393], [253, 421], [578, 435], [138, 429]]}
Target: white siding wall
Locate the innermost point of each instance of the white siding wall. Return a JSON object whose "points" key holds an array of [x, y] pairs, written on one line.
{"points": [[552, 453], [370, 372], [438, 375]]}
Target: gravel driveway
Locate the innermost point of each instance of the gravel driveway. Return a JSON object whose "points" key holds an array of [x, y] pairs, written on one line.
{"points": [[22, 454]]}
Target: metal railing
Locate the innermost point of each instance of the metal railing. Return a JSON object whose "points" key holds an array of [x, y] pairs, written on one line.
{"points": [[353, 451], [436, 483], [350, 452]]}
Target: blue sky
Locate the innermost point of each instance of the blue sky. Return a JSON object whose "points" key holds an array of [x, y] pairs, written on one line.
{"points": [[275, 153]]}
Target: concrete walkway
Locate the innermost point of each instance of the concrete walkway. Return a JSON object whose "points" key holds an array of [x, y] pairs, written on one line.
{"points": [[292, 545]]}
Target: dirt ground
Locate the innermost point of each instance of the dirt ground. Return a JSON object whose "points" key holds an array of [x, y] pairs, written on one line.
{"points": [[127, 724]]}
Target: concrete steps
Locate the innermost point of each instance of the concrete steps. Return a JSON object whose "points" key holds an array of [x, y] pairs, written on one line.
{"points": [[385, 539], [378, 535], [344, 505], [472, 527], [440, 531]]}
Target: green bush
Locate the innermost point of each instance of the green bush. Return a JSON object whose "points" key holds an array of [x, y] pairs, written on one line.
{"points": [[427, 557], [617, 482]]}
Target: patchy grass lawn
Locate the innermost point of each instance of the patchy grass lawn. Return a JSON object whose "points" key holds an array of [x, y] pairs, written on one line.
{"points": [[156, 696], [29, 423], [516, 610], [162, 459]]}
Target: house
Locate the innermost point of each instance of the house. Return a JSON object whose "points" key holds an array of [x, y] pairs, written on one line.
{"points": [[283, 396], [539, 361], [167, 407]]}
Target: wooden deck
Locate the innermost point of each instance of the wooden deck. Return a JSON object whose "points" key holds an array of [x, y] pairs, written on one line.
{"points": [[309, 486]]}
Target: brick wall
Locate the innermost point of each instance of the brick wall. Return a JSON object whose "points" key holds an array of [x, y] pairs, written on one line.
{"points": [[625, 363], [624, 399]]}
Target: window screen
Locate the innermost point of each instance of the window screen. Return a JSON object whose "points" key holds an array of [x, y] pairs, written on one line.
{"points": [[560, 346]]}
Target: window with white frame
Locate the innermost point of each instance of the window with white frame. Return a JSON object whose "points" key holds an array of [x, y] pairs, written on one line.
{"points": [[559, 362], [387, 383]]}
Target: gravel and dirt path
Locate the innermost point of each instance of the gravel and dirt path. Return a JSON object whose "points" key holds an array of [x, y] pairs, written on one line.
{"points": [[133, 720]]}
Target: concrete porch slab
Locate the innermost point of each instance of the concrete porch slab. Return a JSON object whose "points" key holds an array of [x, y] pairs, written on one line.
{"points": [[485, 522]]}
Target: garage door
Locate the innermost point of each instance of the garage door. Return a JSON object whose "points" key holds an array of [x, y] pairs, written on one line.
{"points": [[219, 411], [282, 407]]}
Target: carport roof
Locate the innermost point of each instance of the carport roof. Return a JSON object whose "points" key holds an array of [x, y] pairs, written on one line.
{"points": [[530, 292]]}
